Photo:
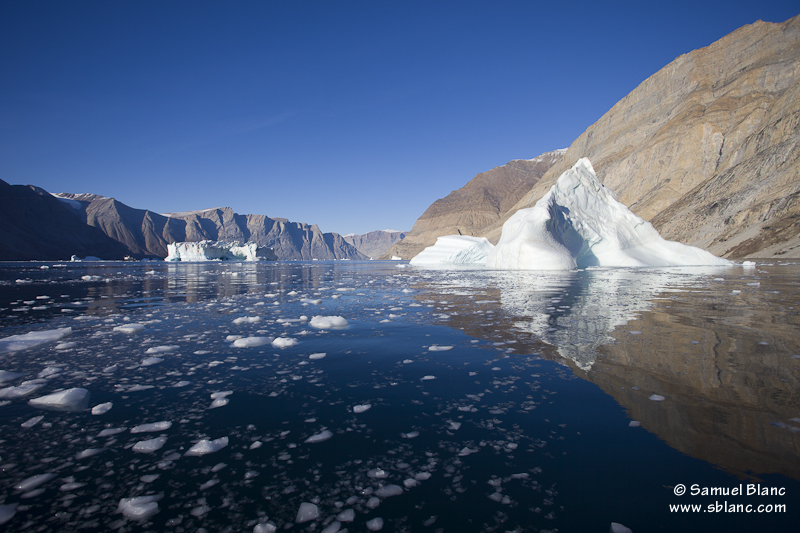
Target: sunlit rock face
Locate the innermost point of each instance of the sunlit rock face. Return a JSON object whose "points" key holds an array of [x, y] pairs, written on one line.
{"points": [[219, 251], [455, 250], [579, 223]]}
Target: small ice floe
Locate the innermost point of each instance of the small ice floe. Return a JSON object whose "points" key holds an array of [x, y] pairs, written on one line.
{"points": [[251, 342], [422, 476], [306, 513], [181, 383], [376, 524], [388, 491], [284, 342], [108, 432], [410, 435], [454, 426], [333, 528], [32, 421], [634, 424], [247, 320], [204, 447], [219, 402], [32, 482], [130, 328], [151, 427], [150, 361], [76, 399], [266, 527], [139, 508], [427, 378], [357, 409], [15, 343], [328, 322], [635, 332], [7, 512], [377, 473], [163, 349], [437, 348], [407, 361], [656, 398], [149, 446], [749, 264], [64, 346], [616, 527], [8, 376], [467, 451], [49, 371], [315, 356], [89, 452], [322, 436], [348, 515], [310, 301]]}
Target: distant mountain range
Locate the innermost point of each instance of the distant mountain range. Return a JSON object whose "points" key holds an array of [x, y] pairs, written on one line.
{"points": [[375, 243], [40, 226], [707, 149]]}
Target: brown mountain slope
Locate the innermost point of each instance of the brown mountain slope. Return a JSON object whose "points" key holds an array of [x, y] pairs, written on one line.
{"points": [[708, 148], [475, 206]]}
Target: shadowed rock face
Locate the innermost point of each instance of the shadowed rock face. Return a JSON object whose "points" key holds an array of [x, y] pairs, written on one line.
{"points": [[147, 234], [36, 226], [707, 148], [375, 243], [475, 206]]}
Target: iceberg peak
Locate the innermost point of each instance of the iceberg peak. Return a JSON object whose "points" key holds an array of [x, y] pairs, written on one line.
{"points": [[580, 223]]}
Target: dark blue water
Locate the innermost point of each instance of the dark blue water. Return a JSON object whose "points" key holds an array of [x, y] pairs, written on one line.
{"points": [[521, 422]]}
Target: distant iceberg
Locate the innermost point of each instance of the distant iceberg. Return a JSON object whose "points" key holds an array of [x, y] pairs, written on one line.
{"points": [[219, 251], [579, 223], [455, 249]]}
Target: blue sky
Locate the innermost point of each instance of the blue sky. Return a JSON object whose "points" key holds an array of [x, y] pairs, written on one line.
{"points": [[352, 115]]}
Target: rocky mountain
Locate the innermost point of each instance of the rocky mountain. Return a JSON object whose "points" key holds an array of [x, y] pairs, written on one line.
{"points": [[707, 148], [36, 226], [147, 234], [375, 243], [477, 205]]}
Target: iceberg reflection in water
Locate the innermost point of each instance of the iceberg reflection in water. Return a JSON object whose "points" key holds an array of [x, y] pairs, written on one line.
{"points": [[419, 400]]}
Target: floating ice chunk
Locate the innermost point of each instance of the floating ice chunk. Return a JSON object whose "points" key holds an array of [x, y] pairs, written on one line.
{"points": [[410, 435], [89, 452], [102, 408], [376, 524], [251, 342], [204, 447], [219, 402], [618, 528], [49, 371], [130, 328], [162, 349], [322, 436], [15, 343], [361, 408], [181, 383], [454, 426], [389, 490], [7, 512], [656, 398], [333, 528], [150, 361], [310, 301], [410, 483], [32, 482], [149, 446], [149, 478], [153, 426], [348, 515], [436, 348], [257, 444], [427, 378], [139, 508], [284, 342], [306, 513], [208, 484], [221, 394], [579, 223], [328, 322], [265, 528], [315, 356], [76, 399], [373, 502], [749, 264], [247, 320], [634, 424], [108, 432], [377, 473], [455, 249], [467, 451], [422, 476], [8, 376], [63, 346], [32, 422]]}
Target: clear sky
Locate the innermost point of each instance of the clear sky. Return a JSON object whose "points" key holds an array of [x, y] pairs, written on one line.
{"points": [[354, 115]]}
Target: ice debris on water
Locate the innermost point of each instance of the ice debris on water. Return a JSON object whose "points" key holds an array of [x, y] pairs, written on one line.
{"points": [[76, 399], [32, 422], [149, 446], [8, 376], [376, 524], [130, 328], [102, 408], [204, 447], [163, 349], [15, 343], [315, 356], [251, 342], [307, 512], [139, 508], [328, 322], [319, 437], [284, 342], [153, 426], [265, 528], [32, 482], [357, 409], [437, 348], [616, 527], [7, 512]]}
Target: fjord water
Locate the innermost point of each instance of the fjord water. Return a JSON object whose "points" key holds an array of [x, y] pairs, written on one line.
{"points": [[453, 400]]}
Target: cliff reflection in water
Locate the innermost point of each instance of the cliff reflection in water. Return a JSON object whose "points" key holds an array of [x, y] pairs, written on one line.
{"points": [[721, 346]]}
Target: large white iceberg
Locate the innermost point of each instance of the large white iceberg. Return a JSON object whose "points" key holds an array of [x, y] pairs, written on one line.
{"points": [[219, 251], [455, 249], [580, 223]]}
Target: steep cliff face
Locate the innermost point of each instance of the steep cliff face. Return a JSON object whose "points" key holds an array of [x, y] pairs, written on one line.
{"points": [[708, 148], [477, 205], [375, 243], [36, 226]]}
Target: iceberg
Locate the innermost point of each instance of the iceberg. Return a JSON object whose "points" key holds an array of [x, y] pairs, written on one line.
{"points": [[455, 249], [219, 251], [580, 223]]}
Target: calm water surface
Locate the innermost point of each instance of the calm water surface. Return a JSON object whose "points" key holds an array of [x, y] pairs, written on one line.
{"points": [[452, 401]]}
